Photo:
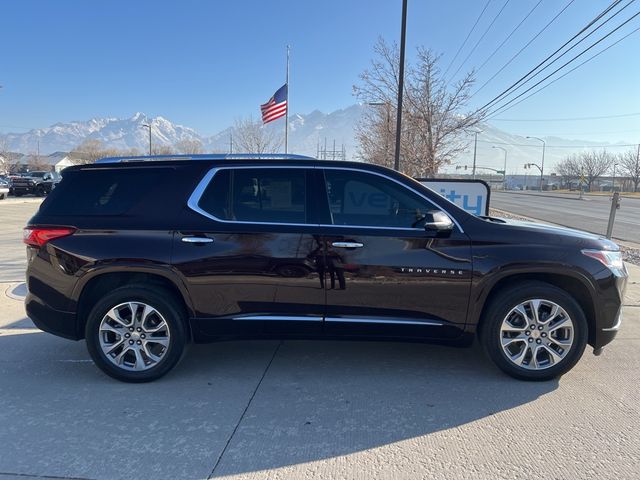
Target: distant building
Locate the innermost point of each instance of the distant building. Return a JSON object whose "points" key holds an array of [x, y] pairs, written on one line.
{"points": [[56, 161]]}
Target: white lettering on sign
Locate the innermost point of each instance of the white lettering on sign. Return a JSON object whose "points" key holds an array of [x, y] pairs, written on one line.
{"points": [[471, 196]]}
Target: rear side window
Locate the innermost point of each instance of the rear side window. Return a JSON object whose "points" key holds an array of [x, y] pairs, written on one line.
{"points": [[102, 191], [272, 195]]}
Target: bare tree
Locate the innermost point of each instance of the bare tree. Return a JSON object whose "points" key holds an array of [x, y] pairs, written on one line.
{"points": [[163, 150], [36, 162], [250, 136], [594, 164], [569, 168], [88, 151], [630, 163], [435, 123], [189, 147], [5, 157]]}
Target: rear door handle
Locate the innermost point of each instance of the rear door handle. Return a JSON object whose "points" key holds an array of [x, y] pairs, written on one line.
{"points": [[348, 244], [197, 240]]}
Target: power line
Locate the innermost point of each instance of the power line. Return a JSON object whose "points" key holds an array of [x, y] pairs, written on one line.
{"points": [[530, 72], [502, 110], [568, 119], [467, 38], [480, 40], [509, 36], [523, 48], [560, 146]]}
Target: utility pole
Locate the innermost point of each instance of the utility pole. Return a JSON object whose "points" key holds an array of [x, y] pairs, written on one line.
{"points": [[231, 143], [475, 151], [403, 43], [613, 180], [544, 145], [148, 125]]}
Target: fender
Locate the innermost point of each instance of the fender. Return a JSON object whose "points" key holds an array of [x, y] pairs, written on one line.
{"points": [[162, 270], [482, 287]]}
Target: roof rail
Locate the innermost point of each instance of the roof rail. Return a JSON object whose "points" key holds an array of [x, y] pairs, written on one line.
{"points": [[212, 156]]}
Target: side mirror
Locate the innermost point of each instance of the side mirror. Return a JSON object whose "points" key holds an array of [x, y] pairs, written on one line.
{"points": [[438, 221]]}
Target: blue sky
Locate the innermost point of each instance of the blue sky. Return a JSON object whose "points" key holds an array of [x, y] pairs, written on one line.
{"points": [[205, 63]]}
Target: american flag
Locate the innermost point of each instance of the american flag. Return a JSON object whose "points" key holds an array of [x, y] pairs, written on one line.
{"points": [[276, 107]]}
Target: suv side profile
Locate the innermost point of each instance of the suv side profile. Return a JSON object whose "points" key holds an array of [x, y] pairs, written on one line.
{"points": [[141, 255]]}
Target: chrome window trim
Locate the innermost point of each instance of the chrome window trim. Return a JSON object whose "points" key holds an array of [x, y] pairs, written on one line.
{"points": [[426, 323], [280, 318], [197, 193]]}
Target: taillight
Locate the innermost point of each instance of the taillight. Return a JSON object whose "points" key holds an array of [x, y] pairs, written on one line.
{"points": [[38, 236]]}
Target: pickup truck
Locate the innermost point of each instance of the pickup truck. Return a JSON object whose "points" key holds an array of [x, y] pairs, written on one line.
{"points": [[36, 183]]}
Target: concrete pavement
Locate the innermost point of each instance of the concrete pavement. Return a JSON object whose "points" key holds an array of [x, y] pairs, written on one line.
{"points": [[311, 409]]}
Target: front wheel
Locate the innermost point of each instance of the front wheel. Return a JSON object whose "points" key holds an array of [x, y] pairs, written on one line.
{"points": [[136, 334], [534, 331]]}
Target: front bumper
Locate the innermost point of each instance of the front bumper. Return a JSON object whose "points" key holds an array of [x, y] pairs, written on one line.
{"points": [[610, 317]]}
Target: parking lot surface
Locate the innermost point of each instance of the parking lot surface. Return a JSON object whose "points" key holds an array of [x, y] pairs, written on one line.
{"points": [[304, 409]]}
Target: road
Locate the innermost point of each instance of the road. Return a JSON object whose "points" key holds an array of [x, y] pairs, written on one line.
{"points": [[305, 409], [590, 214]]}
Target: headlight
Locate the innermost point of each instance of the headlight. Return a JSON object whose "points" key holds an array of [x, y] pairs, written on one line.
{"points": [[611, 260]]}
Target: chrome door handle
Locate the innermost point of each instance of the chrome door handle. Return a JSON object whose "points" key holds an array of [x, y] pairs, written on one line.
{"points": [[348, 244], [197, 240]]}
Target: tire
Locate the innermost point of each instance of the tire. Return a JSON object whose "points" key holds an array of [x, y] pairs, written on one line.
{"points": [[136, 362], [559, 337]]}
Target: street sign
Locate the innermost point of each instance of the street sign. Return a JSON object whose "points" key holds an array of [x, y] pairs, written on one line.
{"points": [[470, 195]]}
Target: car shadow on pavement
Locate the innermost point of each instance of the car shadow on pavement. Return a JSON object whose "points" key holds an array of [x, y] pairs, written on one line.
{"points": [[236, 407]]}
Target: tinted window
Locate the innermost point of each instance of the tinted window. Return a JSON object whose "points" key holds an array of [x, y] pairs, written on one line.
{"points": [[276, 195], [101, 192], [363, 199]]}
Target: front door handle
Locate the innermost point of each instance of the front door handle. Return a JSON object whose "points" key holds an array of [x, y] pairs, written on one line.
{"points": [[348, 244], [197, 240]]}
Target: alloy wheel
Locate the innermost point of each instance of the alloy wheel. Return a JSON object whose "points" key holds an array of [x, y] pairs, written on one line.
{"points": [[134, 336], [536, 334]]}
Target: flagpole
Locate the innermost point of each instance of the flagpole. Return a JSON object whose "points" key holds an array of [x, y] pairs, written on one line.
{"points": [[286, 118]]}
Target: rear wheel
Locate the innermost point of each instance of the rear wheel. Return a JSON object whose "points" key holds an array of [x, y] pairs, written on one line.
{"points": [[136, 334], [534, 331]]}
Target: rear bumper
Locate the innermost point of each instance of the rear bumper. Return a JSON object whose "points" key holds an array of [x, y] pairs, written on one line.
{"points": [[50, 320]]}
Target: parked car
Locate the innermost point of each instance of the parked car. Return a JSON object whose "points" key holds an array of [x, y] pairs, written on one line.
{"points": [[139, 256], [36, 183], [4, 189]]}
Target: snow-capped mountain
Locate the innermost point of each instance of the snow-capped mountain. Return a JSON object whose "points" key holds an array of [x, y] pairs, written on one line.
{"points": [[120, 133], [306, 132]]}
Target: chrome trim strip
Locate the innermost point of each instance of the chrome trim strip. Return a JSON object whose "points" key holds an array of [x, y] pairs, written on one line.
{"points": [[347, 244], [192, 203], [616, 327], [280, 318], [428, 323], [197, 240]]}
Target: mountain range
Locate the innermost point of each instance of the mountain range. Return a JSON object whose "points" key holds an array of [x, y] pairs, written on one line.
{"points": [[306, 133]]}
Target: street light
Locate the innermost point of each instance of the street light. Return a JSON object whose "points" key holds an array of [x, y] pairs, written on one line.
{"points": [[504, 172], [544, 145], [148, 125]]}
